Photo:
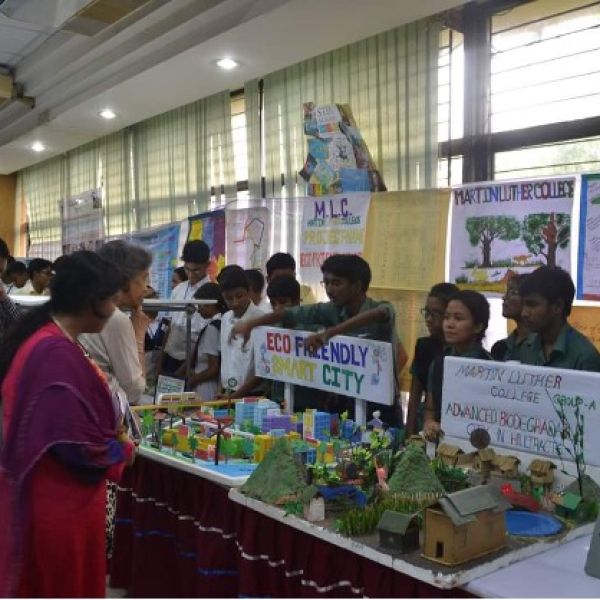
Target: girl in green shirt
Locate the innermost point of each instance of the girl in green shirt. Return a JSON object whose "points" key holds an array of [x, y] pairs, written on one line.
{"points": [[464, 326]]}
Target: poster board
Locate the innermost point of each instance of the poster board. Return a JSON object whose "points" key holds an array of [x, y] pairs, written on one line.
{"points": [[210, 228], [338, 159], [82, 222], [516, 404], [499, 228], [404, 271], [405, 241], [247, 236], [330, 225], [586, 319], [588, 271], [163, 244], [350, 366]]}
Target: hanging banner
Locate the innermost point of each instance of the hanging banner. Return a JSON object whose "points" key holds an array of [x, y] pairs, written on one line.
{"points": [[588, 274], [162, 243], [350, 366], [503, 228], [210, 228], [247, 237], [520, 406], [330, 225], [82, 222]]}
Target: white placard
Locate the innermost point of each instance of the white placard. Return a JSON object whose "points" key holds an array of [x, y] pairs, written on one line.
{"points": [[516, 404], [350, 366], [330, 225]]}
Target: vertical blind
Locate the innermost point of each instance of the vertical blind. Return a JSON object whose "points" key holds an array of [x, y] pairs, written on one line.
{"points": [[157, 171]]}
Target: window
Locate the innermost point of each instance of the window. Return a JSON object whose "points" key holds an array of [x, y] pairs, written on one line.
{"points": [[535, 101], [545, 68], [549, 159]]}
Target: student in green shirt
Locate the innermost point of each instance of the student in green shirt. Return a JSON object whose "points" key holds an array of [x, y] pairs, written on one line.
{"points": [[512, 307], [284, 292], [465, 322], [547, 295], [346, 278]]}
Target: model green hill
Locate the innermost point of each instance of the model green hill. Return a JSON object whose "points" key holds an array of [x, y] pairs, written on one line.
{"points": [[278, 478], [413, 475]]}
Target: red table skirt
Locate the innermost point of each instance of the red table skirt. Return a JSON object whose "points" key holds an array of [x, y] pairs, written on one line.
{"points": [[179, 535]]}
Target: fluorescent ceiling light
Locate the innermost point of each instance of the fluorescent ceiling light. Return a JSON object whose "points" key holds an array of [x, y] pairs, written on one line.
{"points": [[38, 147], [107, 114], [227, 64]]}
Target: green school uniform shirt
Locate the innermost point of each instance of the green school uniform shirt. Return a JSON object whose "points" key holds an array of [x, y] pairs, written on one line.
{"points": [[436, 373], [572, 350], [508, 348], [327, 314]]}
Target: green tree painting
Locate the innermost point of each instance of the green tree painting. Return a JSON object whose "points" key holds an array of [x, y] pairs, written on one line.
{"points": [[544, 233], [484, 230]]}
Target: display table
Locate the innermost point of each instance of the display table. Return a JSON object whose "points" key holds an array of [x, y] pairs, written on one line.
{"points": [[177, 534], [174, 534], [557, 573]]}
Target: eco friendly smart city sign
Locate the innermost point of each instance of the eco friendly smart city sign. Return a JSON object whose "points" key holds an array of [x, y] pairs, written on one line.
{"points": [[350, 366]]}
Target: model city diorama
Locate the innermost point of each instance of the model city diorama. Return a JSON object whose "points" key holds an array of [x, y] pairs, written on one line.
{"points": [[371, 484]]}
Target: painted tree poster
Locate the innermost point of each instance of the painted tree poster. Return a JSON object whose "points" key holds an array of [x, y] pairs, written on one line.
{"points": [[510, 227]]}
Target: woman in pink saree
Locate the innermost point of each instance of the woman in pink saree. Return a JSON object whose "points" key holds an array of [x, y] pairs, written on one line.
{"points": [[62, 438]]}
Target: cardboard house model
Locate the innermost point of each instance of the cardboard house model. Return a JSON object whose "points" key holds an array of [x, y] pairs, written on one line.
{"points": [[449, 454], [507, 466], [398, 531], [567, 505], [465, 525], [484, 459], [542, 472]]}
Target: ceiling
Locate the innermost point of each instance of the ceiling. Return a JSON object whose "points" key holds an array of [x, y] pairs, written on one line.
{"points": [[144, 57]]}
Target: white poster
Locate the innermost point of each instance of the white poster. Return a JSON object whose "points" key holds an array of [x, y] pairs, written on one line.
{"points": [[519, 406], [350, 366], [330, 225], [501, 228], [82, 222], [588, 276], [247, 237]]}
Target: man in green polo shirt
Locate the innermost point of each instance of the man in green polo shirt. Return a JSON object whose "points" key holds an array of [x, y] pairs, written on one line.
{"points": [[547, 298], [346, 278]]}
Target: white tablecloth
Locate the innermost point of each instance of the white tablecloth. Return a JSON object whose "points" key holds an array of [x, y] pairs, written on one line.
{"points": [[557, 573]]}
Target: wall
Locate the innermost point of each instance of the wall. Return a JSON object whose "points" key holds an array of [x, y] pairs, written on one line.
{"points": [[8, 187]]}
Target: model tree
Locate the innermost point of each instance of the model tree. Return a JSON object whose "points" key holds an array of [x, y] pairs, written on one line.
{"points": [[193, 442], [572, 438], [484, 230], [544, 233]]}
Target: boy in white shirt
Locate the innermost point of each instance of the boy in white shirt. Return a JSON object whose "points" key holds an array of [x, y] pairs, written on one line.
{"points": [[196, 258], [236, 358]]}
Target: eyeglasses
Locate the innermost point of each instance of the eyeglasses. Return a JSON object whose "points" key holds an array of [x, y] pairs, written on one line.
{"points": [[197, 270], [433, 314]]}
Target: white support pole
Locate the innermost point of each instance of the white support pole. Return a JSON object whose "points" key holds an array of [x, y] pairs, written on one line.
{"points": [[288, 398], [360, 411]]}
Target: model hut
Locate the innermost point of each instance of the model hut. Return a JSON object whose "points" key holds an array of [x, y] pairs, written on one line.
{"points": [[465, 525], [449, 454], [398, 531], [507, 466], [542, 472]]}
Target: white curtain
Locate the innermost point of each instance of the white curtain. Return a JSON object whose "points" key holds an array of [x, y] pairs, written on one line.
{"points": [[389, 81], [158, 171], [42, 187], [179, 157]]}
